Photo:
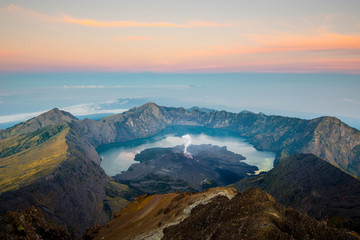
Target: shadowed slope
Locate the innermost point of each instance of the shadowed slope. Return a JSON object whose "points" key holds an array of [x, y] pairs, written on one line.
{"points": [[311, 185]]}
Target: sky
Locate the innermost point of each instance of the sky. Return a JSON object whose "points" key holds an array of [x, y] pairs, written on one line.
{"points": [[294, 58], [180, 36]]}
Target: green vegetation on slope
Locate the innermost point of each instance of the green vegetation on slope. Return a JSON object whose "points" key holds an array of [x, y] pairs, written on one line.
{"points": [[25, 158]]}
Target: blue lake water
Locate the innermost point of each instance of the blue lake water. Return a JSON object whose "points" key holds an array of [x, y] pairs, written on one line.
{"points": [[119, 157]]}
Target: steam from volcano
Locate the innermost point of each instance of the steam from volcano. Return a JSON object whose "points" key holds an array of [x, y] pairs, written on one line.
{"points": [[187, 141]]}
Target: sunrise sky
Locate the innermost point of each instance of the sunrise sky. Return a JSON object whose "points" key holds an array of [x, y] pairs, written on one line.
{"points": [[292, 58], [180, 36]]}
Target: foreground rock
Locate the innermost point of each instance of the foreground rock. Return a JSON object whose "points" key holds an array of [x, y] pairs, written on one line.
{"points": [[147, 216], [217, 213], [29, 224]]}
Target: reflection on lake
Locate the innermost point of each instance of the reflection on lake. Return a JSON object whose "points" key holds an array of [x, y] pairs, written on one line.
{"points": [[118, 157]]}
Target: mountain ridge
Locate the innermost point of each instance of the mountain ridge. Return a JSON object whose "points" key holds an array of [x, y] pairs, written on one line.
{"points": [[51, 117], [281, 135], [78, 181], [218, 213]]}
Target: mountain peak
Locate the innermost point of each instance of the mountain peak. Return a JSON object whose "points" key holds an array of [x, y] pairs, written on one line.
{"points": [[150, 105], [54, 116]]}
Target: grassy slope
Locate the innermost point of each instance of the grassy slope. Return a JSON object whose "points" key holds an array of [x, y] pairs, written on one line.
{"points": [[27, 157]]}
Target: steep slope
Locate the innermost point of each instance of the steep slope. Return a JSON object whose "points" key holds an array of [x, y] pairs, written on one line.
{"points": [[147, 216], [49, 165], [327, 137], [218, 213], [27, 157], [336, 142], [311, 185]]}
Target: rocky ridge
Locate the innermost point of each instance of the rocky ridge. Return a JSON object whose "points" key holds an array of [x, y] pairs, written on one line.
{"points": [[218, 213], [328, 137], [78, 182]]}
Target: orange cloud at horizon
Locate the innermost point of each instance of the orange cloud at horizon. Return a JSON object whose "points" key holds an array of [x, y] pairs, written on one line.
{"points": [[8, 53], [12, 8], [116, 24], [110, 24], [322, 41], [130, 38], [284, 43]]}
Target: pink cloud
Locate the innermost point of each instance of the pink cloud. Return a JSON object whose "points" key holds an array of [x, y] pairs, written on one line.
{"points": [[131, 38], [282, 43], [114, 24], [14, 9], [8, 53]]}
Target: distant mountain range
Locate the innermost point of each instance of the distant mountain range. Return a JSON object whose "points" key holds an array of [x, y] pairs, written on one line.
{"points": [[51, 162]]}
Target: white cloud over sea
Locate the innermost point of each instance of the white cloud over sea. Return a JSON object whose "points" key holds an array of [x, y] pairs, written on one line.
{"points": [[76, 110], [18, 117], [89, 109]]}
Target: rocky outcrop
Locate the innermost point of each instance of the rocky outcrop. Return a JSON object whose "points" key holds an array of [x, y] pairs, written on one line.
{"points": [[29, 224], [147, 216], [252, 214], [336, 142], [217, 213], [313, 186]]}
